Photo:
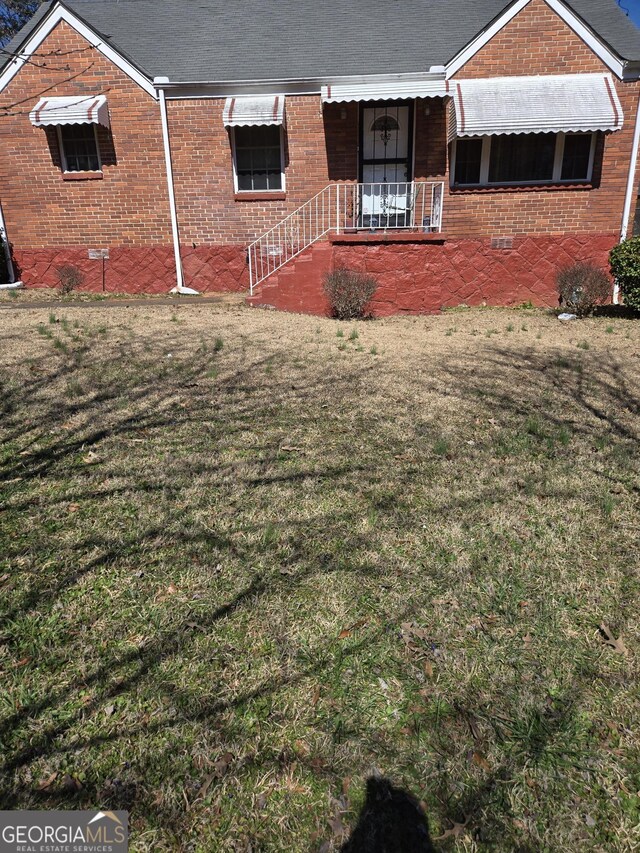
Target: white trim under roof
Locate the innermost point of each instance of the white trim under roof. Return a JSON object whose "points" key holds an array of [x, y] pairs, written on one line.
{"points": [[384, 90], [546, 104], [85, 109], [588, 36], [253, 111], [60, 13]]}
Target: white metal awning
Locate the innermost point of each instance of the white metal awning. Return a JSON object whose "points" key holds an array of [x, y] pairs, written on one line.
{"points": [[85, 109], [254, 110], [546, 104], [395, 89]]}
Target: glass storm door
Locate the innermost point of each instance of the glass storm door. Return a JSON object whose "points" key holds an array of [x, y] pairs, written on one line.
{"points": [[385, 166]]}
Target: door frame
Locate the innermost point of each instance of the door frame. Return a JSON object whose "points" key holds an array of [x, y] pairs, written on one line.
{"points": [[364, 105]]}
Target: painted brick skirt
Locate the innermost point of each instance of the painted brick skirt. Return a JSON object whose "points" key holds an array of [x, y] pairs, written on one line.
{"points": [[138, 270], [423, 278], [414, 278]]}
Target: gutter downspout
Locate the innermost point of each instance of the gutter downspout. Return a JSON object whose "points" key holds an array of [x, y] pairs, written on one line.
{"points": [[12, 283], [179, 288], [628, 198]]}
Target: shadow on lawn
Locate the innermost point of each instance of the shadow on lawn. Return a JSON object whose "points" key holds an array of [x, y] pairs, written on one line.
{"points": [[138, 406], [391, 821]]}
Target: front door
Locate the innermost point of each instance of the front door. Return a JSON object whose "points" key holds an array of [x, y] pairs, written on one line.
{"points": [[385, 167]]}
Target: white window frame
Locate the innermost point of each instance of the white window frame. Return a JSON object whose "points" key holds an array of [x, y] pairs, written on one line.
{"points": [[235, 170], [557, 164], [63, 155]]}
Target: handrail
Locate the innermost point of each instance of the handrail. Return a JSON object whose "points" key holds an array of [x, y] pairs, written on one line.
{"points": [[374, 206]]}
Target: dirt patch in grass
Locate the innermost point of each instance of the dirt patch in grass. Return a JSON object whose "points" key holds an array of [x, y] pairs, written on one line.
{"points": [[251, 559]]}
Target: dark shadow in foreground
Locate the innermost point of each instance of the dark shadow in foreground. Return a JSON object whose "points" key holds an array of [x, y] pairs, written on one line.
{"points": [[391, 821]]}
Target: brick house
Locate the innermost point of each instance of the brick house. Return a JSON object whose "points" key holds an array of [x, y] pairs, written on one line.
{"points": [[460, 150]]}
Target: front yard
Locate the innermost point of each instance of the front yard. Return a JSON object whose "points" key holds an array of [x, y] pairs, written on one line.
{"points": [[250, 559]]}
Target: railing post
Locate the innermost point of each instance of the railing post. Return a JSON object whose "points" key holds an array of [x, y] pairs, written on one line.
{"points": [[337, 208], [250, 272]]}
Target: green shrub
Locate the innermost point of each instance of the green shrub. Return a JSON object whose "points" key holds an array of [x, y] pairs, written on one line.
{"points": [[581, 287], [624, 260], [349, 293]]}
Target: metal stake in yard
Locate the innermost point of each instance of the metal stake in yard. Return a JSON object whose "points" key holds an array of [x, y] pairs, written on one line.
{"points": [[103, 255]]}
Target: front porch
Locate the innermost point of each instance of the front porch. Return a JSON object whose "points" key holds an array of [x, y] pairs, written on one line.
{"points": [[357, 212]]}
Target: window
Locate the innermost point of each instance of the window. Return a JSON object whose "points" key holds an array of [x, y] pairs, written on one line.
{"points": [[523, 158], [518, 158], [468, 160], [79, 148], [576, 157], [258, 158]]}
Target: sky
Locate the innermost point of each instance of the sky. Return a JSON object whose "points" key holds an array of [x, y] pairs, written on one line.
{"points": [[633, 7]]}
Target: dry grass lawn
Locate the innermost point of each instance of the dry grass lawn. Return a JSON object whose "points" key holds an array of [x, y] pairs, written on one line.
{"points": [[248, 559]]}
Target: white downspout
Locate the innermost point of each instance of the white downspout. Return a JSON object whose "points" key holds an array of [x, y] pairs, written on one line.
{"points": [[12, 284], [179, 288], [628, 198]]}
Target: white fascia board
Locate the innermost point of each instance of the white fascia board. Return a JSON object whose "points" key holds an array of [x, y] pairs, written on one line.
{"points": [[289, 86], [610, 59], [60, 13]]}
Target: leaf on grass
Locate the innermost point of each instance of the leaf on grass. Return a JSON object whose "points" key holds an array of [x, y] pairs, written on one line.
{"points": [[289, 448], [408, 629], [475, 731], [43, 784], [73, 507], [527, 640], [337, 827], [23, 662], [428, 669], [222, 764], [172, 589], [480, 761], [206, 784], [91, 458], [109, 710], [71, 784], [346, 632], [456, 830], [618, 645], [589, 820], [316, 696]]}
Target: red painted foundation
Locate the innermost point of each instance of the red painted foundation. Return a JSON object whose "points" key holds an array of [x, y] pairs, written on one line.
{"points": [[138, 270], [424, 277], [416, 277]]}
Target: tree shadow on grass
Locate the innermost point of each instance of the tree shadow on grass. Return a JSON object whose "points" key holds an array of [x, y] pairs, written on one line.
{"points": [[304, 548]]}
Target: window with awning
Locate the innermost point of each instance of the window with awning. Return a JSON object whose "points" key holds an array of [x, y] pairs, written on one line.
{"points": [[84, 109], [530, 130]]}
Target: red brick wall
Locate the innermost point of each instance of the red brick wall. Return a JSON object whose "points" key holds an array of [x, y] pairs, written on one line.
{"points": [[129, 207], [203, 169]]}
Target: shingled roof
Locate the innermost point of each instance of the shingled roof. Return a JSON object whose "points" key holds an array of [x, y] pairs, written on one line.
{"points": [[219, 40]]}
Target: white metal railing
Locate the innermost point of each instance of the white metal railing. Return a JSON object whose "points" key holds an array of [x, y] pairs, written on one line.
{"points": [[339, 208]]}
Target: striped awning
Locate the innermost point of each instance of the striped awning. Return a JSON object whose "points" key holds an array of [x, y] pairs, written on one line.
{"points": [[85, 109], [545, 104], [382, 91], [253, 110]]}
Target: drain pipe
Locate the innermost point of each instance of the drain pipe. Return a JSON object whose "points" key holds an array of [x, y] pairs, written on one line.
{"points": [[12, 284], [180, 287], [628, 198]]}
